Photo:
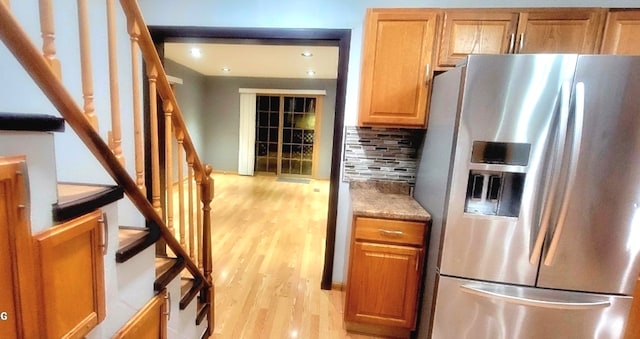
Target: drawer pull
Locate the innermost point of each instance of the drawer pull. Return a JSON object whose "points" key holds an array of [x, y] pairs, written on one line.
{"points": [[389, 233]]}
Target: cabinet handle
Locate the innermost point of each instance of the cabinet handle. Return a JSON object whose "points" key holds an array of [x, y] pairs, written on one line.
{"points": [[167, 298], [427, 71], [417, 262], [104, 225], [389, 233], [521, 45], [512, 43]]}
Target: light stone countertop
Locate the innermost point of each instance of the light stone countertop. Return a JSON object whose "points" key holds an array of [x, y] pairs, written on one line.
{"points": [[387, 200]]}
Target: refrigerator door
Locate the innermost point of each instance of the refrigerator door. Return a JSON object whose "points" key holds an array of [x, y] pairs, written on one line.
{"points": [[467, 309], [508, 117], [594, 238]]}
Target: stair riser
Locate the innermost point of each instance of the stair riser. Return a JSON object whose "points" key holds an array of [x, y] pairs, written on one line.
{"points": [[182, 324], [41, 165]]}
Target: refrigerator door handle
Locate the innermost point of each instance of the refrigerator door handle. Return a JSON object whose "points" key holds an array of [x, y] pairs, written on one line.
{"points": [[573, 167], [554, 173], [521, 297]]}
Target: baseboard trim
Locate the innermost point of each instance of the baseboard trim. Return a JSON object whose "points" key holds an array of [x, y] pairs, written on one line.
{"points": [[337, 286]]}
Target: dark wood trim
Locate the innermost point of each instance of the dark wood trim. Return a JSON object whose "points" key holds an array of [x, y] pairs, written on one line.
{"points": [[281, 36], [127, 252], [30, 122], [203, 310], [187, 298], [87, 203], [165, 277], [336, 153]]}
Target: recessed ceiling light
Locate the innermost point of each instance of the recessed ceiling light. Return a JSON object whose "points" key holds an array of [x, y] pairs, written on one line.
{"points": [[311, 72], [226, 69], [306, 54], [196, 52]]}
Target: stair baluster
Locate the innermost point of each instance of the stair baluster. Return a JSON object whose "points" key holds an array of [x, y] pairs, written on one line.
{"points": [[115, 136], [152, 74], [47, 27], [168, 158], [181, 213], [134, 33], [85, 63]]}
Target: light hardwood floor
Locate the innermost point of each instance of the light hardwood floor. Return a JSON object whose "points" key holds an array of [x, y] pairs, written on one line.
{"points": [[268, 251]]}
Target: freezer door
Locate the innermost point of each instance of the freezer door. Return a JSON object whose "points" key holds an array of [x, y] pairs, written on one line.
{"points": [[594, 240], [509, 107], [466, 309]]}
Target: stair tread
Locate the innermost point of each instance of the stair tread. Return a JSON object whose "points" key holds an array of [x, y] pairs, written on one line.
{"points": [[127, 236], [76, 199], [133, 240], [163, 264], [185, 285], [30, 122]]}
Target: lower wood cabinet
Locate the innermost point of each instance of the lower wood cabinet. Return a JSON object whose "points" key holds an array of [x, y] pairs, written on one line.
{"points": [[149, 323], [19, 306], [70, 265], [385, 270]]}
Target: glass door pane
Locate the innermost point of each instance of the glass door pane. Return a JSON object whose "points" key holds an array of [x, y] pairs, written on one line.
{"points": [[298, 130], [267, 133]]}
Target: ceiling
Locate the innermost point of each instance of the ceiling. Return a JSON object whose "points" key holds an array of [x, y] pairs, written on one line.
{"points": [[267, 61]]}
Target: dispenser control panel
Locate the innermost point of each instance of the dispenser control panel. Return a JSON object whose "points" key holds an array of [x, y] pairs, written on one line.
{"points": [[494, 191]]}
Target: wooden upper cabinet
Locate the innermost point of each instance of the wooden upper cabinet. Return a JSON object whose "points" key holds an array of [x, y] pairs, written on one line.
{"points": [[622, 33], [467, 32], [575, 30], [397, 67], [500, 31]]}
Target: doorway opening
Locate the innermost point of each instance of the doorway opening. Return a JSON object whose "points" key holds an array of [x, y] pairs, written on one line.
{"points": [[340, 38]]}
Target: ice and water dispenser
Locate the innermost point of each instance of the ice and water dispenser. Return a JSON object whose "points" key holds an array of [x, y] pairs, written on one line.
{"points": [[494, 187]]}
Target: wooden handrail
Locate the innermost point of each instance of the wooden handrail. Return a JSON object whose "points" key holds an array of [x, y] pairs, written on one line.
{"points": [[20, 45]]}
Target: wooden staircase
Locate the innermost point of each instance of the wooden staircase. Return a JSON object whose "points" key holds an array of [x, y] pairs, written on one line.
{"points": [[144, 279]]}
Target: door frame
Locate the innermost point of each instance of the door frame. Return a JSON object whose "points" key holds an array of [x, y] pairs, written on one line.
{"points": [[287, 36]]}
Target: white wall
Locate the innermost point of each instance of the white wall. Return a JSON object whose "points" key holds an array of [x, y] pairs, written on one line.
{"points": [[323, 14], [19, 94]]}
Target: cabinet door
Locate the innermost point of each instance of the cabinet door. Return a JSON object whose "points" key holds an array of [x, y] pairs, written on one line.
{"points": [[18, 304], [149, 323], [383, 284], [476, 31], [396, 67], [621, 33], [70, 264], [560, 31]]}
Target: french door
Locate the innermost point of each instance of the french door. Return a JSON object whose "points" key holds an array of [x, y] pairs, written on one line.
{"points": [[286, 134]]}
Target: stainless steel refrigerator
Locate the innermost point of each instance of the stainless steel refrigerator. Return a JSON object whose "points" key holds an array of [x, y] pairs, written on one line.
{"points": [[530, 168]]}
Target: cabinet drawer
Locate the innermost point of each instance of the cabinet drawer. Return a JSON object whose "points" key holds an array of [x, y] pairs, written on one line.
{"points": [[390, 231]]}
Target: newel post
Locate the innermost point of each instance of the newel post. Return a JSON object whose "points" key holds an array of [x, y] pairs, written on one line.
{"points": [[207, 260]]}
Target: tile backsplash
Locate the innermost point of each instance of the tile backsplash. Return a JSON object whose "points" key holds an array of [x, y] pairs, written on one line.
{"points": [[381, 154]]}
